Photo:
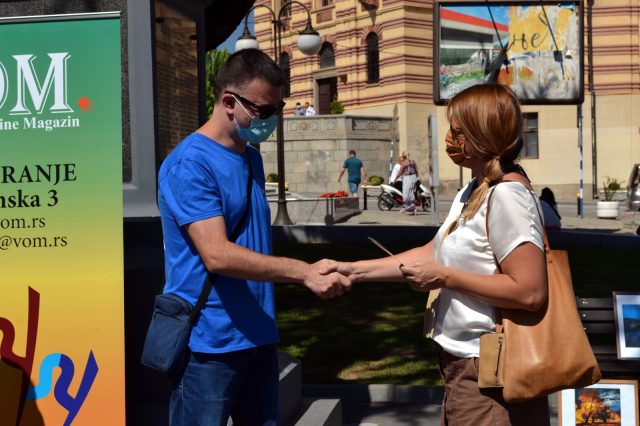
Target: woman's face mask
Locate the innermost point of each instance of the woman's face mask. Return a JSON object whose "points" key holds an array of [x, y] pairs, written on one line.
{"points": [[456, 141], [259, 130]]}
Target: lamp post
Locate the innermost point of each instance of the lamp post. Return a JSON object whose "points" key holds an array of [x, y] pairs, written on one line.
{"points": [[309, 43]]}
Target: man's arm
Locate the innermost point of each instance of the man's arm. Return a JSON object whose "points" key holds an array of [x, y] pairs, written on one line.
{"points": [[364, 175], [226, 258], [341, 173]]}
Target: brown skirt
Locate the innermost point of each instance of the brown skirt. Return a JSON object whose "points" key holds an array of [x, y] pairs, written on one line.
{"points": [[465, 404]]}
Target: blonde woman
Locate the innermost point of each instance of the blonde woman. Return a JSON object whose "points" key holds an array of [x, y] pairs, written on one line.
{"points": [[462, 259]]}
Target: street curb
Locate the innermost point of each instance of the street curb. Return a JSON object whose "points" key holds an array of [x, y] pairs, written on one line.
{"points": [[416, 394], [377, 393], [389, 234]]}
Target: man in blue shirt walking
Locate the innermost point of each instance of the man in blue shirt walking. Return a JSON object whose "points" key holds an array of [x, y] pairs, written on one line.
{"points": [[355, 169], [233, 369]]}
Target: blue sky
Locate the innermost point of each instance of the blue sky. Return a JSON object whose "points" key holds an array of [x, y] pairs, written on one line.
{"points": [[631, 311], [500, 13], [230, 43]]}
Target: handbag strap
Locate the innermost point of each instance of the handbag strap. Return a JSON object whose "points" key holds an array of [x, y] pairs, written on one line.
{"points": [[208, 285], [498, 321]]}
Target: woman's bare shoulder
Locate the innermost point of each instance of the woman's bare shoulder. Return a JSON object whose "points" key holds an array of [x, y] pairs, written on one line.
{"points": [[517, 177]]}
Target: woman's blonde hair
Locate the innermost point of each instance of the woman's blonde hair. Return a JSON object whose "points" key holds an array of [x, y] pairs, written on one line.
{"points": [[491, 119], [405, 154]]}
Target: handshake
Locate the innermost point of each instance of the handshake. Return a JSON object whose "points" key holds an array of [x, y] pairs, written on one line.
{"points": [[328, 278]]}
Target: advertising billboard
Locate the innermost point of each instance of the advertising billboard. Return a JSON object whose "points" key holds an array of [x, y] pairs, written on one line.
{"points": [[534, 48], [61, 251]]}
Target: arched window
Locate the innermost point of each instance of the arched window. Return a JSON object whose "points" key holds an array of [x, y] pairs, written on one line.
{"points": [[286, 68], [327, 56], [373, 59]]}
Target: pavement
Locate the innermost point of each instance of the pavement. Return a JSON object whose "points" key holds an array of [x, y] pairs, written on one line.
{"points": [[398, 414], [567, 209]]}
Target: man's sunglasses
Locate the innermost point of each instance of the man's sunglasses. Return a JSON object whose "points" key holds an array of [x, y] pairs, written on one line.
{"points": [[265, 111]]}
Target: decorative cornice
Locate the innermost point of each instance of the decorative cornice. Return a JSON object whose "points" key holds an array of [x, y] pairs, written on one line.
{"points": [[414, 3], [388, 97], [407, 22], [617, 87], [345, 13], [602, 30], [614, 49], [599, 11], [406, 40], [600, 69]]}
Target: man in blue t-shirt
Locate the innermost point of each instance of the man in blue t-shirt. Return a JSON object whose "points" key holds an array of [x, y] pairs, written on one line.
{"points": [[202, 195], [355, 169]]}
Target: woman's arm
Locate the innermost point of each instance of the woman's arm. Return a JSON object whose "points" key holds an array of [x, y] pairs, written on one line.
{"points": [[383, 269], [522, 285]]}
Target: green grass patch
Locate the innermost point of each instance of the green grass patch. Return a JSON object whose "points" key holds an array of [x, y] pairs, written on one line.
{"points": [[373, 333]]}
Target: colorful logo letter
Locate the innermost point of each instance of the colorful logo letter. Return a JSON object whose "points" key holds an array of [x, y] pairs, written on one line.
{"points": [[45, 382]]}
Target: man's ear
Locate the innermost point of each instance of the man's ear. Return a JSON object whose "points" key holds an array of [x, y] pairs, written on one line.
{"points": [[228, 103]]}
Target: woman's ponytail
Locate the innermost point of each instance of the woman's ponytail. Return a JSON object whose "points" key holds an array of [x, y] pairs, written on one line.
{"points": [[493, 173]]}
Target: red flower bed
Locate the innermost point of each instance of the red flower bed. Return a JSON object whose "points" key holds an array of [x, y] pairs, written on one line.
{"points": [[334, 194]]}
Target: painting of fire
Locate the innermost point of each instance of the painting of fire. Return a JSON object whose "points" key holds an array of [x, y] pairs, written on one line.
{"points": [[596, 406]]}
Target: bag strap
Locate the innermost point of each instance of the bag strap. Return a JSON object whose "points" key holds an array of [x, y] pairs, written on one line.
{"points": [[208, 285], [498, 321]]}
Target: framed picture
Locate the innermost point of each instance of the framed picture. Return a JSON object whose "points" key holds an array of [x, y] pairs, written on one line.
{"points": [[626, 307], [535, 49], [608, 402]]}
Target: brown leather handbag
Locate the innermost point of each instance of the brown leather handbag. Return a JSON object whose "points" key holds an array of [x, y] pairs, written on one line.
{"points": [[544, 351]]}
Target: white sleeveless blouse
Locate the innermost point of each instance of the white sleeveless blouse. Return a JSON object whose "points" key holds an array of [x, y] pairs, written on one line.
{"points": [[461, 319]]}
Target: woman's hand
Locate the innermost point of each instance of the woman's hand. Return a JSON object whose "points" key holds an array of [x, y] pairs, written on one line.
{"points": [[423, 275]]}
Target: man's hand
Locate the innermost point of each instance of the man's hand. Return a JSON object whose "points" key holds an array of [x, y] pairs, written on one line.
{"points": [[328, 285], [423, 276], [342, 268]]}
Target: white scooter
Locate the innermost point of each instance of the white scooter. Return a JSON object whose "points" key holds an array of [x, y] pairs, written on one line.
{"points": [[391, 197]]}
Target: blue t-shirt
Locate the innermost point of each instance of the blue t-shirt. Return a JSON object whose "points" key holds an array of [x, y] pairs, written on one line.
{"points": [[353, 166], [201, 179]]}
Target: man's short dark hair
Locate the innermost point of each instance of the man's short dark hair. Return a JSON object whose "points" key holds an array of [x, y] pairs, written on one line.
{"points": [[306, 103], [297, 103], [245, 66], [352, 152]]}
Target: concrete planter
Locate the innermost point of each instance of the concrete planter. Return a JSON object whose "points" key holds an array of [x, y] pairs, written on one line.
{"points": [[617, 195], [608, 209], [325, 211]]}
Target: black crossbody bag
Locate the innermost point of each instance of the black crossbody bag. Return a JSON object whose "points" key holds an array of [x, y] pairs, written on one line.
{"points": [[166, 348]]}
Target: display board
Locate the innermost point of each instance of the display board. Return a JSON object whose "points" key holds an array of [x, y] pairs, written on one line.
{"points": [[61, 251], [534, 48]]}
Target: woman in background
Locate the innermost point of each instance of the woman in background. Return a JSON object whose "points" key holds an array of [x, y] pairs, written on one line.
{"points": [[409, 174], [550, 210]]}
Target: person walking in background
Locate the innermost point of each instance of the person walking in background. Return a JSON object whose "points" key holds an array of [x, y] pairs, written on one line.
{"points": [[355, 170], [550, 210], [409, 174], [396, 176], [299, 111], [309, 109]]}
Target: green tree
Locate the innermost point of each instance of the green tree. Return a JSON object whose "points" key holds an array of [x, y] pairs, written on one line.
{"points": [[215, 59]]}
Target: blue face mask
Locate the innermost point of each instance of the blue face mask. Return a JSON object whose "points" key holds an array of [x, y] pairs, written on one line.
{"points": [[259, 130]]}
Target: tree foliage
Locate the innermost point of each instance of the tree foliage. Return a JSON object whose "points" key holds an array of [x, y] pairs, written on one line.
{"points": [[215, 59]]}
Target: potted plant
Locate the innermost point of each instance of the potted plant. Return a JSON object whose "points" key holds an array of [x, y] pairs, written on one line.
{"points": [[608, 209]]}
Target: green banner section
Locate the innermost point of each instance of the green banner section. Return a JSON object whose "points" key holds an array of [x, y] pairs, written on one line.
{"points": [[61, 301]]}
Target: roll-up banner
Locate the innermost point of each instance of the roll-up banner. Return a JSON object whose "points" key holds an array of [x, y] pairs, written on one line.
{"points": [[61, 255]]}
